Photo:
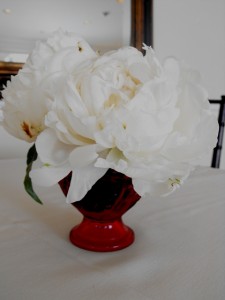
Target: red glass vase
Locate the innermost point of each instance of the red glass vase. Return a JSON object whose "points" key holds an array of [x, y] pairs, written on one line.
{"points": [[102, 228]]}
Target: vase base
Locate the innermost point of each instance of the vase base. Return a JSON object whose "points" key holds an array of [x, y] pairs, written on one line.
{"points": [[101, 236]]}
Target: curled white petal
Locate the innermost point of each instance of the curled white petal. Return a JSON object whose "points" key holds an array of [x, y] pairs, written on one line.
{"points": [[50, 150], [82, 181]]}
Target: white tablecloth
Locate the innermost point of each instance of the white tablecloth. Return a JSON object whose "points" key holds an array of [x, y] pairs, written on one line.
{"points": [[178, 254]]}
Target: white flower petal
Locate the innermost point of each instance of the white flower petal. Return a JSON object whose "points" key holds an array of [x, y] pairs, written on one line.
{"points": [[50, 150], [182, 148], [82, 181], [83, 156], [144, 186], [172, 70], [49, 176]]}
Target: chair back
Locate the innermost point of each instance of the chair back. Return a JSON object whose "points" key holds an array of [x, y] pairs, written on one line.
{"points": [[217, 151]]}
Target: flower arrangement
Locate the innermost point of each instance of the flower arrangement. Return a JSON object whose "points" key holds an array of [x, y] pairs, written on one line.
{"points": [[85, 113]]}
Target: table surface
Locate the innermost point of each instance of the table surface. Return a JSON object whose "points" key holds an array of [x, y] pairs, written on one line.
{"points": [[178, 254]]}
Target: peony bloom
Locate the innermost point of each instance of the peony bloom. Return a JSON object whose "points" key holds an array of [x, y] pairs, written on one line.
{"points": [[28, 95], [121, 110]]}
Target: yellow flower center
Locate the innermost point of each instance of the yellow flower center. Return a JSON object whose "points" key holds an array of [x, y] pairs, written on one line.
{"points": [[113, 100], [30, 130]]}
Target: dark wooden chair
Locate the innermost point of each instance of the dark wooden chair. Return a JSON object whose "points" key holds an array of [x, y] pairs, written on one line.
{"points": [[217, 152]]}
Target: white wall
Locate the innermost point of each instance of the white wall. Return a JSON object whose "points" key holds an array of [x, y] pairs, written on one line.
{"points": [[194, 31], [103, 23]]}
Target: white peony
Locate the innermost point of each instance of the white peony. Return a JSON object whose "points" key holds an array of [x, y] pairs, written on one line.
{"points": [[122, 110], [29, 94]]}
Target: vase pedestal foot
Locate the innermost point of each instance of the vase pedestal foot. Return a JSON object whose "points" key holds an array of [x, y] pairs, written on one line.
{"points": [[104, 236]]}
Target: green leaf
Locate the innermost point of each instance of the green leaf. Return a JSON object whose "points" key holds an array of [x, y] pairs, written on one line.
{"points": [[31, 157]]}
